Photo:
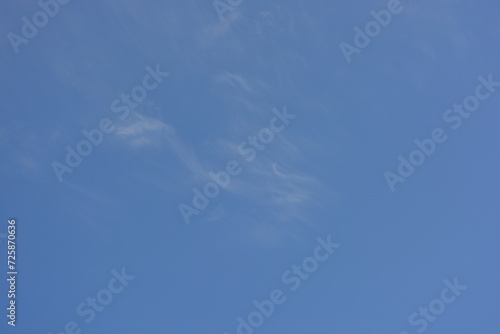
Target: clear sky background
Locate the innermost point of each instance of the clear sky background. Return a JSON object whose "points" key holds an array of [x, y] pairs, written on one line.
{"points": [[322, 175]]}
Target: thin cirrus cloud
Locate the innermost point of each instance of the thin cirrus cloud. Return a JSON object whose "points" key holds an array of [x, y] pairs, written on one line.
{"points": [[269, 180], [284, 190], [234, 80], [146, 132]]}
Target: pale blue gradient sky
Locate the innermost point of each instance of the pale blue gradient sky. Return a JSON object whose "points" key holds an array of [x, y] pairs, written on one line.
{"points": [[322, 175]]}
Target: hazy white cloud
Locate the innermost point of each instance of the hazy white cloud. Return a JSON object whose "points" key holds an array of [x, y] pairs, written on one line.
{"points": [[145, 132], [234, 80], [142, 127]]}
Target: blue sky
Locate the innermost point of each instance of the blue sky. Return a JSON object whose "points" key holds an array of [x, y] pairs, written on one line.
{"points": [[323, 175]]}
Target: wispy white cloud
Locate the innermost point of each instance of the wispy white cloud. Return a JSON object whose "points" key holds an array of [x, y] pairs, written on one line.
{"points": [[143, 132], [147, 132], [268, 184], [271, 182], [233, 80]]}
